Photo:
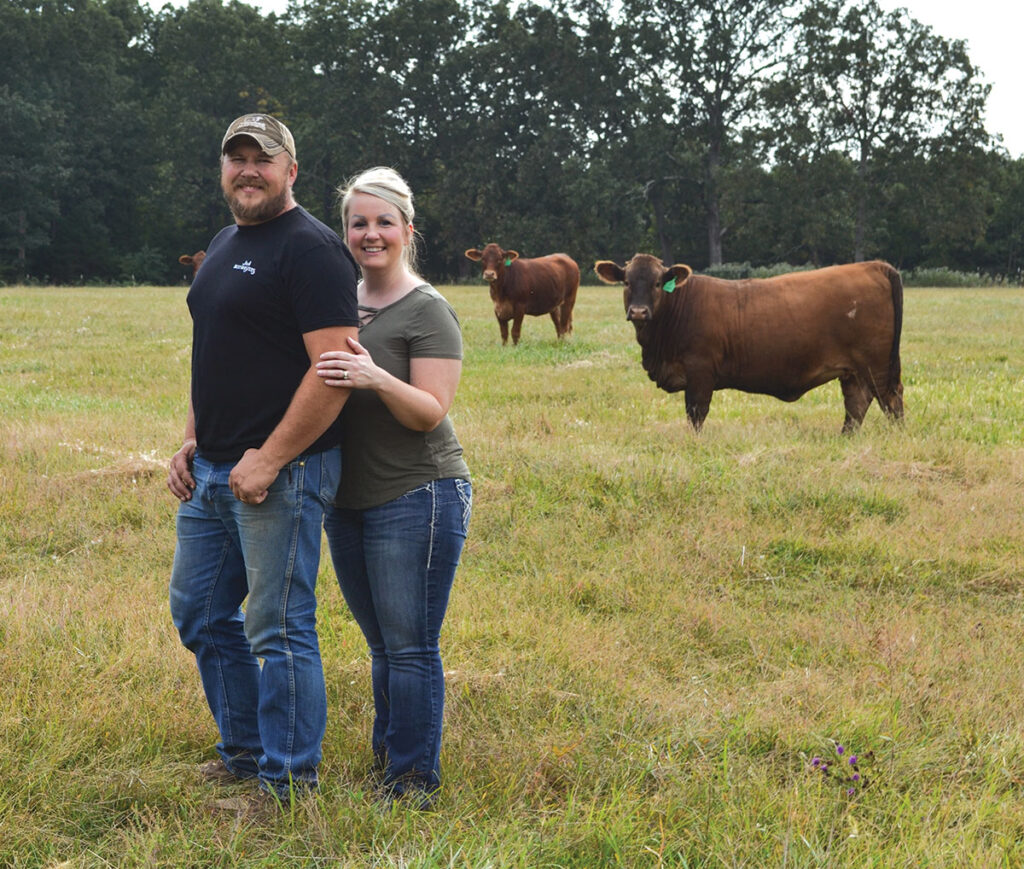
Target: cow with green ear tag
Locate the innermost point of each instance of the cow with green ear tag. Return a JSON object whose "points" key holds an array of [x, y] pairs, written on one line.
{"points": [[521, 286], [779, 336], [650, 280]]}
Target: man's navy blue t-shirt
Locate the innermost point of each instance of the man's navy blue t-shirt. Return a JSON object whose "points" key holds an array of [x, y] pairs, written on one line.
{"points": [[259, 289]]}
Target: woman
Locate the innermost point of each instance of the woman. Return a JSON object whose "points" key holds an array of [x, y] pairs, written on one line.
{"points": [[399, 521]]}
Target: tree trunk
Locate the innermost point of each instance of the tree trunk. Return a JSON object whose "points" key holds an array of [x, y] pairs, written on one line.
{"points": [[714, 233], [654, 197], [712, 206], [862, 206], [328, 192], [21, 243], [858, 238]]}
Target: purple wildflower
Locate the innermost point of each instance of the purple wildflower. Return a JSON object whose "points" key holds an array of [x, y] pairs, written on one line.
{"points": [[853, 760], [855, 777], [850, 792], [815, 761], [840, 749]]}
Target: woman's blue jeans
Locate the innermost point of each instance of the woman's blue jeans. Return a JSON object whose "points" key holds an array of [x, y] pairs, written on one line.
{"points": [[396, 564], [271, 718]]}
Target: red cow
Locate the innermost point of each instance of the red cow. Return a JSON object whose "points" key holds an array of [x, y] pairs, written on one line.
{"points": [[545, 285], [778, 336], [193, 259]]}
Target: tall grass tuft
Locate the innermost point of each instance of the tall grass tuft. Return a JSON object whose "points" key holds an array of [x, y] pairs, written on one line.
{"points": [[651, 637]]}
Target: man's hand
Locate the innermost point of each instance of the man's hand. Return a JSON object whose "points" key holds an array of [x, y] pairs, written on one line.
{"points": [[312, 409], [251, 477], [180, 480]]}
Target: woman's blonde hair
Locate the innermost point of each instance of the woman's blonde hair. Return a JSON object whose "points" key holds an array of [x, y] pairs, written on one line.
{"points": [[384, 183]]}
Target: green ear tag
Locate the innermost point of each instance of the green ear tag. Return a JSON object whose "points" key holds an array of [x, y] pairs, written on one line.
{"points": [[669, 285], [508, 262]]}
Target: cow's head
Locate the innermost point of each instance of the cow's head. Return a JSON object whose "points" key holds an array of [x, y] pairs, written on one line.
{"points": [[193, 259], [494, 260], [647, 284]]}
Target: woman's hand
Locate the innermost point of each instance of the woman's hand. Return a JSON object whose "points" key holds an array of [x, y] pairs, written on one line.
{"points": [[355, 370], [419, 405]]}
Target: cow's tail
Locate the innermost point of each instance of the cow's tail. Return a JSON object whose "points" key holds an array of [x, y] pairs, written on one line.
{"points": [[896, 285]]}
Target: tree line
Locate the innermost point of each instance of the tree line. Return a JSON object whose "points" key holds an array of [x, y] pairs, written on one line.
{"points": [[703, 131]]}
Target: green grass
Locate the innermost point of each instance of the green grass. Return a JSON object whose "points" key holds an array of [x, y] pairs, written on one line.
{"points": [[651, 635]]}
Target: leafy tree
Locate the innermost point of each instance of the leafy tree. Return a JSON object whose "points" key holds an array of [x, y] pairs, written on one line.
{"points": [[70, 158], [719, 60], [806, 131], [506, 131], [32, 168], [936, 209], [1005, 231], [882, 88], [380, 82], [214, 61], [562, 92], [32, 163], [794, 212], [340, 103]]}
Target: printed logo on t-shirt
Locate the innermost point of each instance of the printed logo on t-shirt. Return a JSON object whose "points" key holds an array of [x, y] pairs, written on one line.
{"points": [[245, 267]]}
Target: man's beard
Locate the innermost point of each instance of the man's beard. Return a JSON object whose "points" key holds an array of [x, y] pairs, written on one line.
{"points": [[257, 213]]}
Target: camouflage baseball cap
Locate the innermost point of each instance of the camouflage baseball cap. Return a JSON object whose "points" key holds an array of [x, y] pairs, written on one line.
{"points": [[271, 135]]}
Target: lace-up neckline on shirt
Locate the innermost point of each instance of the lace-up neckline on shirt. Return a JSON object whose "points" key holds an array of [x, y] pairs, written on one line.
{"points": [[367, 313]]}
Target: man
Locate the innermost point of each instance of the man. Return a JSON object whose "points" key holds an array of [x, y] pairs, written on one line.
{"points": [[259, 462]]}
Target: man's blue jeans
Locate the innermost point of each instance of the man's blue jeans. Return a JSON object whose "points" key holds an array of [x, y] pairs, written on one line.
{"points": [[395, 564], [271, 718]]}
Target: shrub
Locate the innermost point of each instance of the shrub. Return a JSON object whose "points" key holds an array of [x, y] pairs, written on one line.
{"points": [[919, 277], [742, 271], [944, 277]]}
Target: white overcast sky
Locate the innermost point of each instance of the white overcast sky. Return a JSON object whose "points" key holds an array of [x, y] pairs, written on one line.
{"points": [[992, 30]]}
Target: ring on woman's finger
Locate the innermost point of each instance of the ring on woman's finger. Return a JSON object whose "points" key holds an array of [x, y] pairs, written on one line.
{"points": [[344, 375]]}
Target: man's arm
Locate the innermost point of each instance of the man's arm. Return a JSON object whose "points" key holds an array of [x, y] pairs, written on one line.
{"points": [[180, 480], [312, 409]]}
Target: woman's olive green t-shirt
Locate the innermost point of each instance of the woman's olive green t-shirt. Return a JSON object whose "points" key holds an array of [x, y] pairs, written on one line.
{"points": [[381, 459]]}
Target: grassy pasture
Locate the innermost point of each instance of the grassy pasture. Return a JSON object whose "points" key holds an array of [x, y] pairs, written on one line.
{"points": [[651, 636]]}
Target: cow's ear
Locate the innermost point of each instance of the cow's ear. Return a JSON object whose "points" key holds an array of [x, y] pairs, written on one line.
{"points": [[679, 271], [511, 255], [185, 259], [609, 272], [474, 254]]}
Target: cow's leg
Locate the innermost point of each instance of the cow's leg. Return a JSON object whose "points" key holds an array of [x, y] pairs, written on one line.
{"points": [[889, 398], [891, 401], [566, 309], [517, 327], [503, 326], [857, 399], [556, 318], [698, 402]]}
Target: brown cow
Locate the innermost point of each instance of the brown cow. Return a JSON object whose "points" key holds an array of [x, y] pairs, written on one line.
{"points": [[545, 285], [193, 259], [778, 336]]}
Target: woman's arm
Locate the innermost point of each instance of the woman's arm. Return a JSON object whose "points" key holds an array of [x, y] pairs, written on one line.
{"points": [[419, 405]]}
